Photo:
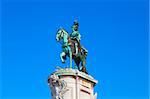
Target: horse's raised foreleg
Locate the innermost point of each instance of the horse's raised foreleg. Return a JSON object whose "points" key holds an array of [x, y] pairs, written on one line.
{"points": [[63, 57]]}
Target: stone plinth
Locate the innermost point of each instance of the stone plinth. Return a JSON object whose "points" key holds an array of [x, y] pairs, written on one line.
{"points": [[76, 85]]}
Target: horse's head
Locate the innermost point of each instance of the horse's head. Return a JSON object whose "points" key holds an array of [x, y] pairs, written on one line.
{"points": [[60, 34]]}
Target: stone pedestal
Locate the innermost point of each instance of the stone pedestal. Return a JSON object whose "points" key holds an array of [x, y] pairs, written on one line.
{"points": [[76, 85]]}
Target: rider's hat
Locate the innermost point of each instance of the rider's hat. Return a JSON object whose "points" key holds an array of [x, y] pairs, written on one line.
{"points": [[76, 23]]}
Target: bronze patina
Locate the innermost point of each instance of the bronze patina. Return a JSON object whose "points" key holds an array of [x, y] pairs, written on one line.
{"points": [[71, 47]]}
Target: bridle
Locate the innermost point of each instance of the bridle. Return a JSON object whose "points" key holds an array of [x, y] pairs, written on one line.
{"points": [[61, 36]]}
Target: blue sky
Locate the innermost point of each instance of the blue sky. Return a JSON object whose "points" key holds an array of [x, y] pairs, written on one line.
{"points": [[114, 32]]}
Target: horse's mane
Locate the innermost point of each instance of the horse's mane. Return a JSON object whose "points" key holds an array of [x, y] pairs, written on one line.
{"points": [[65, 31]]}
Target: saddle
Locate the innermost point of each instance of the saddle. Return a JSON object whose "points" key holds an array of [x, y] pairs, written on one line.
{"points": [[72, 42]]}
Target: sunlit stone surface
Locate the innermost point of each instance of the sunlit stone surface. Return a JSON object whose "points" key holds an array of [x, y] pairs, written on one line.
{"points": [[78, 85]]}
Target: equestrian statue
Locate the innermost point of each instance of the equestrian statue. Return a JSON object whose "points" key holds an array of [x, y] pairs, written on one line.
{"points": [[71, 47]]}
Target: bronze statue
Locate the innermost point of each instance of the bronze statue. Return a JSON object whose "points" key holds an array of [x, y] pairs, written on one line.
{"points": [[71, 47]]}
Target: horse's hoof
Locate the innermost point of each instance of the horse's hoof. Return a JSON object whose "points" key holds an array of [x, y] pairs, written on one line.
{"points": [[63, 62]]}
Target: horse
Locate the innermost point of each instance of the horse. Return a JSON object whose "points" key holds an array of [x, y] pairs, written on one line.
{"points": [[78, 54]]}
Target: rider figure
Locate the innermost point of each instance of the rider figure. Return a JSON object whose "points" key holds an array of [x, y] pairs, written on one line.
{"points": [[75, 34]]}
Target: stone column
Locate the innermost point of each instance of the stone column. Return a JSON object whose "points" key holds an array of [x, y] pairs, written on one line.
{"points": [[72, 84]]}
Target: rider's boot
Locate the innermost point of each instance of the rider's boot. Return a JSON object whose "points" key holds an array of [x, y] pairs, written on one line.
{"points": [[76, 48]]}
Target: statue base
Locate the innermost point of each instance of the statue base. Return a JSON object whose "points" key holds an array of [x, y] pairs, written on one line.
{"points": [[71, 84]]}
